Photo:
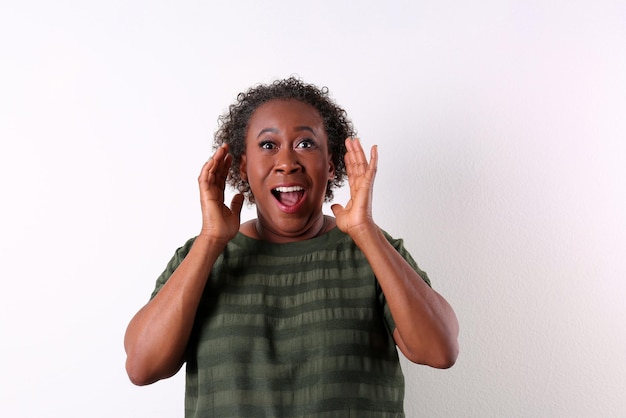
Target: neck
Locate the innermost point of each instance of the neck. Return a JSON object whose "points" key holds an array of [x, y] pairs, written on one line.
{"points": [[317, 228]]}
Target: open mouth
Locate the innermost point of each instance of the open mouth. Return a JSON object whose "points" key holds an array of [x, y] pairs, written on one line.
{"points": [[288, 196]]}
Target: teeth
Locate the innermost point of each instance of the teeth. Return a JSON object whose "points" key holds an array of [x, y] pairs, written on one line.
{"points": [[289, 189]]}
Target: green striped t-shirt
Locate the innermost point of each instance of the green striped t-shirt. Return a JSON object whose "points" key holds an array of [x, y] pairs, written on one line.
{"points": [[292, 330]]}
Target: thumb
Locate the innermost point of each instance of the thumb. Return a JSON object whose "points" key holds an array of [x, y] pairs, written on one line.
{"points": [[236, 204], [337, 209]]}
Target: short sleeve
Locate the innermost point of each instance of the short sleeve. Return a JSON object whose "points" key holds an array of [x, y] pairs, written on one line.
{"points": [[172, 265]]}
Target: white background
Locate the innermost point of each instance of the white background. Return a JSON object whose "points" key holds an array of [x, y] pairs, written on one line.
{"points": [[501, 127]]}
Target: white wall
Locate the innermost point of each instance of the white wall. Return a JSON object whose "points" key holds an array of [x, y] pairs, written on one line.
{"points": [[502, 134]]}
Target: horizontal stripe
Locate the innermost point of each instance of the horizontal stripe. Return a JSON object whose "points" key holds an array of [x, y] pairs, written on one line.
{"points": [[285, 285], [305, 378], [302, 399], [331, 407], [298, 329], [264, 353]]}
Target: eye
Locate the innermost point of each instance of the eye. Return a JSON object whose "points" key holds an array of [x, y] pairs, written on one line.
{"points": [[267, 145], [305, 144]]}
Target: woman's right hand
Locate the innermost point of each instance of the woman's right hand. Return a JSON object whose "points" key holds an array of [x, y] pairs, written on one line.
{"points": [[157, 336], [219, 222]]}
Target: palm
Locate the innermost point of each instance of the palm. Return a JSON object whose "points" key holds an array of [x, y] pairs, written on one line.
{"points": [[357, 213], [218, 220]]}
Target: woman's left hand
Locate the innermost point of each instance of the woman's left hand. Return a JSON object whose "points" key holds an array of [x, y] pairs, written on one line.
{"points": [[426, 326], [356, 217]]}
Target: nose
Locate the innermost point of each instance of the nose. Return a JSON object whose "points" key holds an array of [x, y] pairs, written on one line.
{"points": [[287, 161]]}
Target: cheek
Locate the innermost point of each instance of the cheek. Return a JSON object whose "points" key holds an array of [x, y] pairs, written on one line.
{"points": [[256, 172]]}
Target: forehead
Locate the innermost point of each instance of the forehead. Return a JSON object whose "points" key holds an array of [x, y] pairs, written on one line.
{"points": [[285, 113]]}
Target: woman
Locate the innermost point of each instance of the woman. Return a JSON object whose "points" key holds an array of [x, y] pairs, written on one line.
{"points": [[293, 313]]}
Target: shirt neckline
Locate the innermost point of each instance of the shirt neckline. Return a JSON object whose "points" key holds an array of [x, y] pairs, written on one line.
{"points": [[325, 241]]}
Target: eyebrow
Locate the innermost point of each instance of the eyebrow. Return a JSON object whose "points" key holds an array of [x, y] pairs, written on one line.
{"points": [[275, 130]]}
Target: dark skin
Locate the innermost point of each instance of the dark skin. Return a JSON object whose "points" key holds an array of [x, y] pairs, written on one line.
{"points": [[287, 146], [287, 150]]}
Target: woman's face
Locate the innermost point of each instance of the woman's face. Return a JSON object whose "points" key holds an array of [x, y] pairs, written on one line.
{"points": [[288, 165]]}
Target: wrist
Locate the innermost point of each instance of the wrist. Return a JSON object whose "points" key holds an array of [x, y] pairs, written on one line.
{"points": [[364, 234], [209, 238]]}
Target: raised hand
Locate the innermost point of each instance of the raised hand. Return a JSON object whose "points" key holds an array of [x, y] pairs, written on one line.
{"points": [[356, 217], [218, 221]]}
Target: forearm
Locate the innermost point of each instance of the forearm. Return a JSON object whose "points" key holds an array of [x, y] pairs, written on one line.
{"points": [[157, 336], [426, 325]]}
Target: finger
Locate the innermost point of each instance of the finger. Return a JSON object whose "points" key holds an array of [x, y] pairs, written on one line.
{"points": [[203, 178], [337, 209], [348, 158], [372, 167], [223, 170], [218, 170], [356, 157], [220, 153], [236, 204]]}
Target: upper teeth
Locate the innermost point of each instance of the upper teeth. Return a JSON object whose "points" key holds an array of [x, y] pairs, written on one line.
{"points": [[288, 189]]}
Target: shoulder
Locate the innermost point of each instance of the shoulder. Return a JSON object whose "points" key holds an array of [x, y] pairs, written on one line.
{"points": [[248, 229]]}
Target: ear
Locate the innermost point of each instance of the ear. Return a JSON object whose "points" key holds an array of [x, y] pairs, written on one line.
{"points": [[331, 168], [243, 168]]}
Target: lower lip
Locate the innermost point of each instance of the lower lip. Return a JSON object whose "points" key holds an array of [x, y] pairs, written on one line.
{"points": [[291, 209]]}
